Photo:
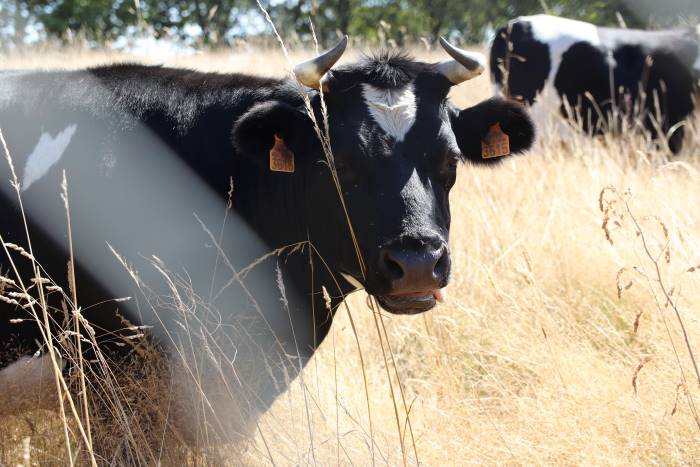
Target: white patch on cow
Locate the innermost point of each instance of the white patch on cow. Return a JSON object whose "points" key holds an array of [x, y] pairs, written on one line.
{"points": [[394, 110], [28, 384], [46, 154], [496, 89], [546, 115], [559, 34], [352, 281]]}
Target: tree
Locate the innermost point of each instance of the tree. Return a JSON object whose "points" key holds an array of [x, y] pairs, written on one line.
{"points": [[330, 18], [98, 20], [439, 15], [15, 16], [216, 22], [214, 19], [389, 21]]}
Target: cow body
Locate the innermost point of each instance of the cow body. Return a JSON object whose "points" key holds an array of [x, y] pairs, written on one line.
{"points": [[172, 197], [587, 72], [147, 153]]}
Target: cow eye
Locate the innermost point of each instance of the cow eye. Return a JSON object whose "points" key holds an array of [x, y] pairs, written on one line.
{"points": [[449, 173], [450, 161]]}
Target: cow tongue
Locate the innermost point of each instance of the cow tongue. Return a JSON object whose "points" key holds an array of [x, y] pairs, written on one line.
{"points": [[440, 294]]}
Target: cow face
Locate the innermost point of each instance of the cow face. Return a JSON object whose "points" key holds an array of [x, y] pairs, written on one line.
{"points": [[396, 142]]}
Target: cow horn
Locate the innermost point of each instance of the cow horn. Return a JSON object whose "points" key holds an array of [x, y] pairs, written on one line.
{"points": [[310, 72], [465, 66]]}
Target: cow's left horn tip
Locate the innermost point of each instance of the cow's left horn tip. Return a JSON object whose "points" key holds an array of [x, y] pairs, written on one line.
{"points": [[466, 65], [311, 72], [473, 61]]}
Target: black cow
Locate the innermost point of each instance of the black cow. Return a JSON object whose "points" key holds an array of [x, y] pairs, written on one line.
{"points": [[589, 72], [150, 153]]}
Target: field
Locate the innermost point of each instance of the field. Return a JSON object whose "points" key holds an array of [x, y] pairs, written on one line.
{"points": [[548, 352]]}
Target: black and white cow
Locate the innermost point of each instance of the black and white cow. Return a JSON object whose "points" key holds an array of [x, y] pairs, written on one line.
{"points": [[585, 71], [150, 153]]}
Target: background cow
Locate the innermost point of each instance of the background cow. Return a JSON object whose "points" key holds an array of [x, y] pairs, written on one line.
{"points": [[565, 61], [150, 154]]}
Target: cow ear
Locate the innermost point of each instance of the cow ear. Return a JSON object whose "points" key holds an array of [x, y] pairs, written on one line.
{"points": [[254, 133], [472, 125]]}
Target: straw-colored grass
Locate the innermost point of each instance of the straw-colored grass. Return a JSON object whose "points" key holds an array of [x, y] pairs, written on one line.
{"points": [[535, 359]]}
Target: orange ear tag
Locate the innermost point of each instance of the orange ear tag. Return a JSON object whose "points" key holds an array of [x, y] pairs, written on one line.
{"points": [[281, 157], [495, 144]]}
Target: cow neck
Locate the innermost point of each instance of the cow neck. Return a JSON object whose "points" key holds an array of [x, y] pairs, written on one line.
{"points": [[278, 206]]}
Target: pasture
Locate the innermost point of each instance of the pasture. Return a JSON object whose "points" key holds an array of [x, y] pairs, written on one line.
{"points": [[561, 341]]}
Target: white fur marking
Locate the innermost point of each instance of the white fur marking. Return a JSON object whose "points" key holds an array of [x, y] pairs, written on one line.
{"points": [[354, 282], [496, 89], [559, 34], [46, 153], [393, 109], [28, 384], [547, 117]]}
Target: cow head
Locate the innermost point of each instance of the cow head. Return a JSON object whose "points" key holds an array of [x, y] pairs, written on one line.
{"points": [[396, 142]]}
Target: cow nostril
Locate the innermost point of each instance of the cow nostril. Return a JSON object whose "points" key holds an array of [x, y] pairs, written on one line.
{"points": [[442, 265], [392, 267]]}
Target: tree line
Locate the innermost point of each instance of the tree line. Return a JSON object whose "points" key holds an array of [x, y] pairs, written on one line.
{"points": [[213, 23]]}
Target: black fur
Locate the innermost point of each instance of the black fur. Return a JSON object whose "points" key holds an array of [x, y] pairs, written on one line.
{"points": [[472, 125], [252, 134], [572, 85], [663, 80], [529, 65], [385, 69]]}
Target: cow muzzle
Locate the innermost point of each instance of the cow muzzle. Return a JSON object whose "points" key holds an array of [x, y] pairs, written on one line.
{"points": [[416, 275]]}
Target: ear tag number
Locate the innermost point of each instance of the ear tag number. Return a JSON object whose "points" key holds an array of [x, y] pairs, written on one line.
{"points": [[495, 144], [281, 157]]}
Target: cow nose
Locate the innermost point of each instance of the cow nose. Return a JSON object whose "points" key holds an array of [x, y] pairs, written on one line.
{"points": [[420, 268]]}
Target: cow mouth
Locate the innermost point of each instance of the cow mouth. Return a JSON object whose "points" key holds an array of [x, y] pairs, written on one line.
{"points": [[411, 303]]}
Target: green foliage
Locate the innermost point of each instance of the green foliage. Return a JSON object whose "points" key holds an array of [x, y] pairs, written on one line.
{"points": [[216, 22], [386, 21], [213, 18], [98, 20]]}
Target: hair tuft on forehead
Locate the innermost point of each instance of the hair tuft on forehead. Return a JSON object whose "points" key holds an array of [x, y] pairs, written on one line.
{"points": [[383, 69]]}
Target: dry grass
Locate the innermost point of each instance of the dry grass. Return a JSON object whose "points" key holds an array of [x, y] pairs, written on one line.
{"points": [[535, 359]]}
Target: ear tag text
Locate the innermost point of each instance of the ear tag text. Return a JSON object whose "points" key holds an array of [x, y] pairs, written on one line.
{"points": [[281, 157], [495, 144]]}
